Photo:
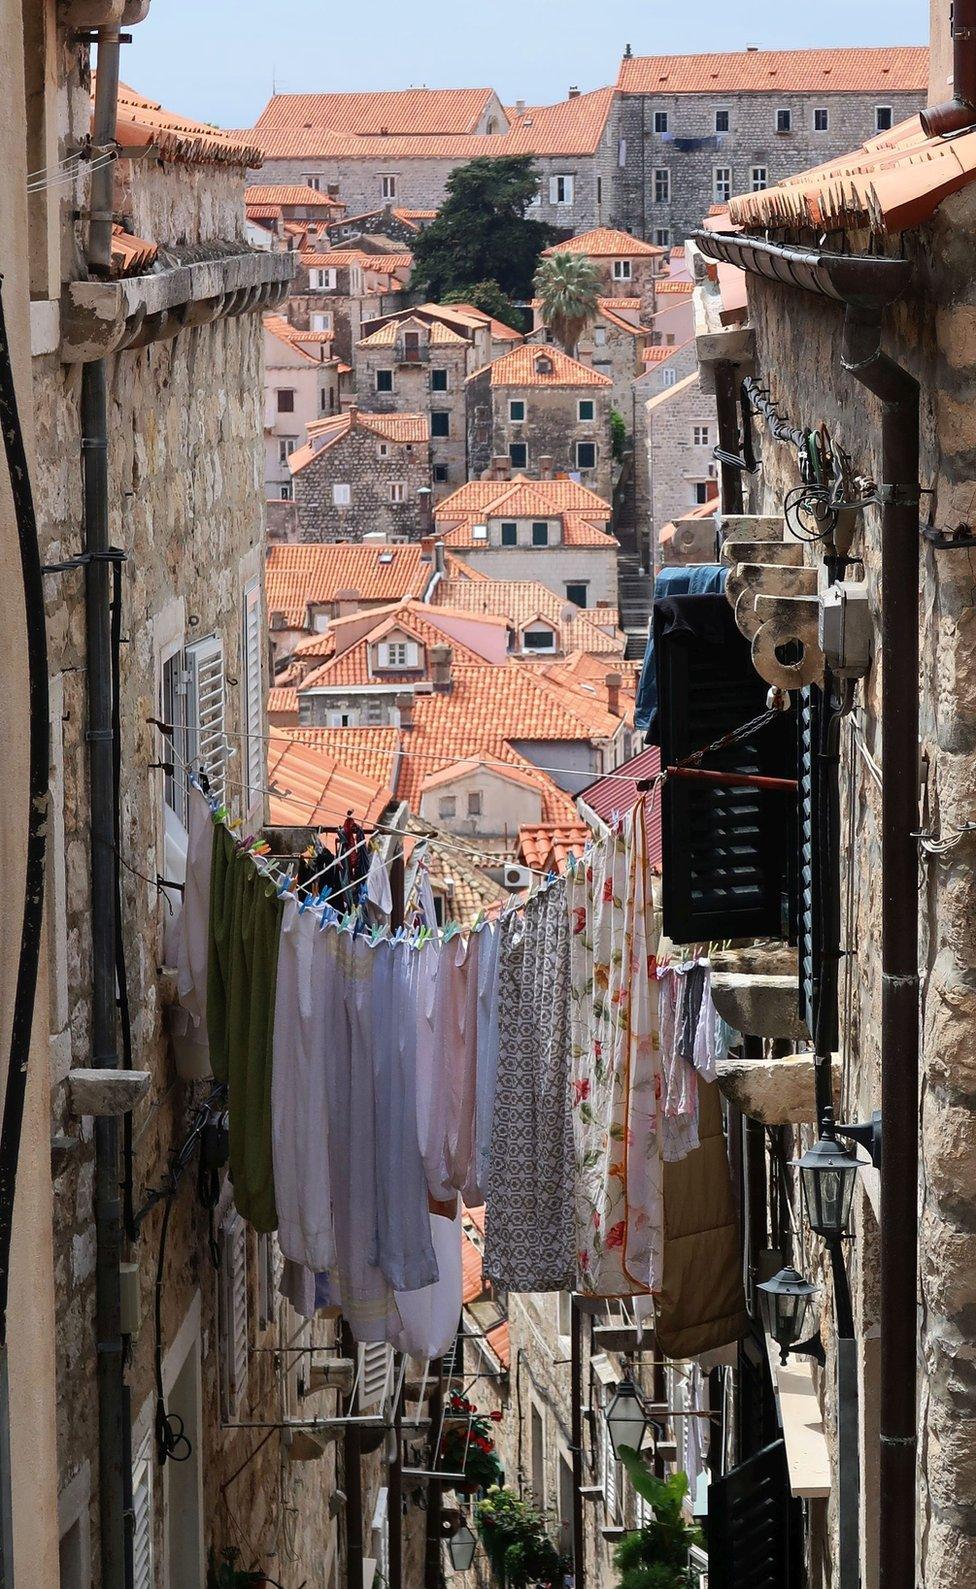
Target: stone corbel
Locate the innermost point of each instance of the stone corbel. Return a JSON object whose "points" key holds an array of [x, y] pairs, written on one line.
{"points": [[750, 527], [749, 580], [776, 1092], [785, 621]]}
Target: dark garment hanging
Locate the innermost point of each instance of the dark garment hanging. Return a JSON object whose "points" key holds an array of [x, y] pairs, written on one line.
{"points": [[245, 926]]}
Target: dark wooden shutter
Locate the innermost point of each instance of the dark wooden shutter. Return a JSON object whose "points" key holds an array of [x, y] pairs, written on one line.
{"points": [[755, 1525], [726, 863]]}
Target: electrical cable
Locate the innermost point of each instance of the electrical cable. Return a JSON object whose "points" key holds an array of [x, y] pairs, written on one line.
{"points": [[121, 976]]}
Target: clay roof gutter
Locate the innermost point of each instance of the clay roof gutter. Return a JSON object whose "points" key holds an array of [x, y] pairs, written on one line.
{"points": [[959, 112], [860, 280]]}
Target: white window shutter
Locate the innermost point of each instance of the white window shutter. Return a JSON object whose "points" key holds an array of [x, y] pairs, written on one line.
{"points": [[375, 1362], [553, 190], [253, 692], [143, 1575], [206, 711], [609, 1471], [379, 1543], [233, 1314]]}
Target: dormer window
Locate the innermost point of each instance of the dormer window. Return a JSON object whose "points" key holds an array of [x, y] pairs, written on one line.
{"points": [[539, 638], [509, 534], [540, 533], [397, 654], [479, 532], [543, 365]]}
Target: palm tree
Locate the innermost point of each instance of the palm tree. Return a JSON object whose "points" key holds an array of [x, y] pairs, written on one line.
{"points": [[569, 287]]}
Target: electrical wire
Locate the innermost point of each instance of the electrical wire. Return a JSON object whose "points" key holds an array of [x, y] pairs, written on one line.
{"points": [[67, 177]]}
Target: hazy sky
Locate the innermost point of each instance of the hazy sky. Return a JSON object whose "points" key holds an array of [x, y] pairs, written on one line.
{"points": [[219, 59]]}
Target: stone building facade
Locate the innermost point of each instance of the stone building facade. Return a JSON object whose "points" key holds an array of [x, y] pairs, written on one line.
{"points": [[363, 474], [663, 368], [692, 130], [301, 385], [680, 432], [541, 411], [341, 289], [416, 366]]}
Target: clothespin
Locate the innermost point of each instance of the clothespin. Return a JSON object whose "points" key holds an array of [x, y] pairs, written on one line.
{"points": [[451, 931], [284, 885], [479, 921]]}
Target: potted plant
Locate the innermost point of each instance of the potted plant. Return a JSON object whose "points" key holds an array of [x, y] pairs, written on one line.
{"points": [[656, 1556], [513, 1532], [467, 1447], [226, 1574]]}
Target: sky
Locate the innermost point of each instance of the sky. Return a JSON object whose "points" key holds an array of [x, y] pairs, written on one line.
{"points": [[219, 60]]}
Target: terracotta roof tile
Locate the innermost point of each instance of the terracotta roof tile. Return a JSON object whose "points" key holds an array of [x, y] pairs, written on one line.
{"points": [[547, 846], [300, 573], [386, 337], [892, 68], [521, 367], [178, 139], [409, 110], [131, 256], [352, 666], [605, 242], [659, 353], [499, 330], [315, 788], [671, 284], [335, 258], [563, 495], [276, 194], [282, 700], [499, 1339], [620, 794], [368, 752], [521, 601], [473, 1286], [401, 429]]}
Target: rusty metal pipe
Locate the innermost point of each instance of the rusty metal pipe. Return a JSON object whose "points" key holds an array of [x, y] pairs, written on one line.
{"points": [[959, 112]]}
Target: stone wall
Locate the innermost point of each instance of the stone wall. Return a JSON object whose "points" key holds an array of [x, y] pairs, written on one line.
{"points": [[676, 463], [656, 378], [412, 394], [355, 461], [607, 348], [552, 566], [551, 429]]}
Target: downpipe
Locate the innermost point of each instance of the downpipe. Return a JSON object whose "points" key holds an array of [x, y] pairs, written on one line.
{"points": [[898, 392]]}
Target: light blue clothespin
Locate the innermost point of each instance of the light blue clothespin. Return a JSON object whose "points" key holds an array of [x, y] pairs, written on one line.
{"points": [[283, 885]]}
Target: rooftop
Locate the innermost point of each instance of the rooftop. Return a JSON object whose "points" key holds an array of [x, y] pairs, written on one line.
{"points": [[546, 846], [888, 68], [316, 789], [605, 242], [386, 337], [618, 794], [316, 573], [176, 139], [290, 193], [531, 365], [401, 429], [389, 113], [523, 600]]}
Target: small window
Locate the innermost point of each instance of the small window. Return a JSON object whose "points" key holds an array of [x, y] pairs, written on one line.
{"points": [[284, 491], [621, 270], [341, 495], [479, 532], [622, 152], [440, 423], [509, 534], [660, 121], [586, 455], [382, 449], [312, 181], [882, 118], [438, 380], [321, 321], [586, 410], [699, 435], [389, 186], [561, 189], [662, 185], [576, 592], [599, 336], [540, 533], [538, 640], [821, 119], [516, 410], [721, 184], [286, 446], [721, 121], [704, 491], [784, 121], [518, 454], [322, 280], [447, 807], [326, 399], [474, 804], [669, 377], [662, 237], [397, 654], [398, 491], [599, 191], [543, 365], [440, 473], [760, 179], [285, 400], [384, 380]]}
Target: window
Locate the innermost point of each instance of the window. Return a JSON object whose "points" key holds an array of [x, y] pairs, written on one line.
{"points": [[438, 380], [518, 454], [440, 422], [312, 181], [561, 190], [721, 184], [586, 455], [398, 654], [538, 640], [143, 1570], [382, 449], [784, 121], [821, 119], [389, 186], [440, 473], [660, 121], [286, 446], [721, 121], [325, 393], [599, 336], [576, 592], [446, 807], [232, 1314], [538, 1459], [284, 492], [509, 534], [586, 410], [621, 270], [536, 198], [882, 118], [285, 400], [699, 435], [398, 491], [253, 691], [669, 377], [320, 280], [662, 237], [622, 152], [516, 410], [341, 495], [384, 380], [540, 533], [662, 185], [704, 491], [193, 701], [479, 532], [760, 178], [599, 191], [474, 803], [321, 321]]}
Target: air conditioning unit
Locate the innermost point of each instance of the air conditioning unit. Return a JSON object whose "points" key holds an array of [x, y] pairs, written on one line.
{"points": [[516, 877]]}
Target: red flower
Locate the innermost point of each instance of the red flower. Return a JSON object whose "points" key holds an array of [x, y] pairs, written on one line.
{"points": [[496, 1416], [581, 1090], [608, 891], [579, 920], [615, 1236]]}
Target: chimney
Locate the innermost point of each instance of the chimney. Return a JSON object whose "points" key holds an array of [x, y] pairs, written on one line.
{"points": [[426, 548], [752, 49], [628, 53], [959, 112], [440, 658], [573, 91], [613, 682], [438, 557], [501, 467], [404, 706], [545, 468], [520, 107]]}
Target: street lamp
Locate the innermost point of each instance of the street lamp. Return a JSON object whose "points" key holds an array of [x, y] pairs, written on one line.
{"points": [[827, 1174], [627, 1421], [785, 1305], [461, 1547]]}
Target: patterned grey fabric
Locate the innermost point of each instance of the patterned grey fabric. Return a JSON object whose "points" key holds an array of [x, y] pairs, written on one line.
{"points": [[529, 1237]]}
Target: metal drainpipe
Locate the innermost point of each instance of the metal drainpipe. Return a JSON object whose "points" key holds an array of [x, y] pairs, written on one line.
{"points": [[899, 490], [115, 1525], [727, 414], [353, 1478], [576, 1435]]}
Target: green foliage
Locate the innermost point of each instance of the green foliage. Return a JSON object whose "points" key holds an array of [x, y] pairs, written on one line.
{"points": [[481, 232], [569, 288], [226, 1574], [618, 434], [468, 1446], [656, 1556], [516, 1543], [489, 298]]}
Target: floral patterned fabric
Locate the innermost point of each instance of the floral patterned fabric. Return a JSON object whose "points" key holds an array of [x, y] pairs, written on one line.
{"points": [[615, 1067]]}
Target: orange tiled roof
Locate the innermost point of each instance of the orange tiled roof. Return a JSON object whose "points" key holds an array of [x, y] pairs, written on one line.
{"points": [[369, 752], [408, 110], [317, 790], [178, 139], [562, 495], [661, 352], [674, 284], [473, 1286], [499, 330], [277, 326], [131, 255], [352, 666], [605, 242], [386, 337], [521, 368], [547, 846], [902, 69], [300, 573], [521, 601], [336, 257], [619, 320], [282, 700], [892, 183], [290, 193], [402, 429], [499, 1339]]}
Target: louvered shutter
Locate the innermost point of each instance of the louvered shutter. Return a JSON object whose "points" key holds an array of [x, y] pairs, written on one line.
{"points": [[814, 788], [143, 1576], [380, 1535], [726, 861], [253, 692], [233, 1314], [610, 1466], [755, 1526], [375, 1360], [206, 711]]}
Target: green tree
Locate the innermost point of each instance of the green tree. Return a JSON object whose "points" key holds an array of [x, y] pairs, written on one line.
{"points": [[618, 434], [489, 298], [569, 287], [656, 1556], [481, 232]]}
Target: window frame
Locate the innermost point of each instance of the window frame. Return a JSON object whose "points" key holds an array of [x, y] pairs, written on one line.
{"points": [[700, 434], [591, 445], [887, 110], [623, 270], [783, 113], [757, 185], [281, 392], [518, 447], [315, 281], [661, 122], [567, 181], [321, 314], [286, 446], [440, 424], [446, 808], [578, 584], [662, 237], [508, 533], [398, 492], [661, 177], [824, 111], [387, 373], [338, 500], [721, 184], [513, 418], [440, 374], [540, 532], [388, 184], [723, 110]]}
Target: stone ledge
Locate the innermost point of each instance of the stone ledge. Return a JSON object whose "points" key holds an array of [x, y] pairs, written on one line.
{"points": [[758, 1005], [776, 1092], [106, 1092]]}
